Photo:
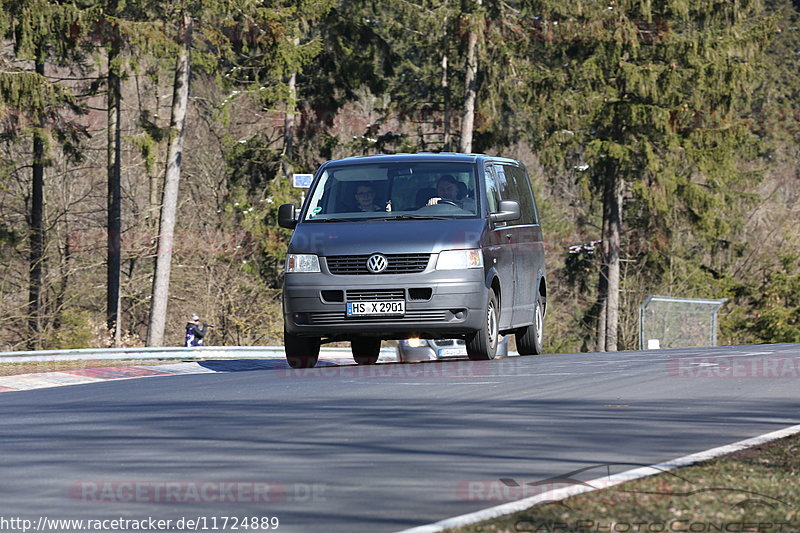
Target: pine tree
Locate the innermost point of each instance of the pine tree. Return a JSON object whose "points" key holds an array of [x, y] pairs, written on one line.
{"points": [[41, 32], [471, 77], [423, 59], [277, 72], [251, 49], [651, 92], [114, 172]]}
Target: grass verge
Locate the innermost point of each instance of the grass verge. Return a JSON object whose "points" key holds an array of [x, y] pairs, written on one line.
{"points": [[756, 490]]}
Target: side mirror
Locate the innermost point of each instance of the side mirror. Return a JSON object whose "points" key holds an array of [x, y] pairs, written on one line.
{"points": [[287, 216], [508, 211]]}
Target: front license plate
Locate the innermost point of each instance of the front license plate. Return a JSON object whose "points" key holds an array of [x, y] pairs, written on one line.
{"points": [[395, 307], [451, 352]]}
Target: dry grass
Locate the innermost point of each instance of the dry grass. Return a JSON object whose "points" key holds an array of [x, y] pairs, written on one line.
{"points": [[756, 490]]}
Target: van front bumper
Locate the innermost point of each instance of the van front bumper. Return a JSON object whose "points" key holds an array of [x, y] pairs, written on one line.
{"points": [[437, 304]]}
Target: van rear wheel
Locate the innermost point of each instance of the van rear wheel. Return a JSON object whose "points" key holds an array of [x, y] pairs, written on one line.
{"points": [[530, 339], [366, 350], [301, 352], [482, 345]]}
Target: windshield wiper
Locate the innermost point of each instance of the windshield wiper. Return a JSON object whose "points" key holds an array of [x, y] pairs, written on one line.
{"points": [[330, 220], [409, 217]]}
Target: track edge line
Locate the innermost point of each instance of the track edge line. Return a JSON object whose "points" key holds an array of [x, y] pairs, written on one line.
{"points": [[600, 483]]}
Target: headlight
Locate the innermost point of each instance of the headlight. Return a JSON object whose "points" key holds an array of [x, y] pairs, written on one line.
{"points": [[414, 342], [457, 259], [302, 263]]}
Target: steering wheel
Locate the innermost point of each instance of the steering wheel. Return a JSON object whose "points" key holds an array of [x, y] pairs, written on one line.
{"points": [[446, 201]]}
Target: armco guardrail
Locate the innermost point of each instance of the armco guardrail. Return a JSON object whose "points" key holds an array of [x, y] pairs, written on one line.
{"points": [[204, 352]]}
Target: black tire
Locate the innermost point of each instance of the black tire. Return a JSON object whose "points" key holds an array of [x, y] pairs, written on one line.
{"points": [[482, 345], [530, 339], [301, 352], [366, 350]]}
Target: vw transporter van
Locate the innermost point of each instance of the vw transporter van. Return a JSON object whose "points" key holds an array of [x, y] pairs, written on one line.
{"points": [[414, 245]]}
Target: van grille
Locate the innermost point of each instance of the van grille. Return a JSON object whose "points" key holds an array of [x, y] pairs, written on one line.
{"points": [[398, 264], [367, 295]]}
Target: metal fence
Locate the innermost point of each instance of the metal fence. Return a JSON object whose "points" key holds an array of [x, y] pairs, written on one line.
{"points": [[667, 322]]}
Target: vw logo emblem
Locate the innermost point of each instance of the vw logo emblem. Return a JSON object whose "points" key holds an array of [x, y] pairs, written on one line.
{"points": [[377, 263]]}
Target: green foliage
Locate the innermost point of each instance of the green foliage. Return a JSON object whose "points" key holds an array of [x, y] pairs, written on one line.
{"points": [[28, 92], [9, 236], [29, 102], [387, 143], [775, 315], [251, 164], [256, 191], [401, 52], [74, 331], [43, 29], [354, 55], [677, 98], [364, 50], [148, 142], [654, 94], [264, 44]]}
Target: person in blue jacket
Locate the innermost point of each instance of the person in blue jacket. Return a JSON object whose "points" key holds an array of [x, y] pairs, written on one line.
{"points": [[195, 331]]}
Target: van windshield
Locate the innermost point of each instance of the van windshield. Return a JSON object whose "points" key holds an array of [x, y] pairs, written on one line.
{"points": [[394, 190]]}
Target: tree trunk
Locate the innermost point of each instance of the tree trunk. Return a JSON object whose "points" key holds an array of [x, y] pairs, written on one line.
{"points": [[471, 84], [602, 306], [61, 295], [289, 121], [114, 162], [446, 117], [612, 231], [154, 182], [169, 204], [288, 127], [291, 111], [36, 230]]}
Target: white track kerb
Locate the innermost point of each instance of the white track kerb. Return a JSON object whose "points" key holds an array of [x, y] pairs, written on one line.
{"points": [[599, 483]]}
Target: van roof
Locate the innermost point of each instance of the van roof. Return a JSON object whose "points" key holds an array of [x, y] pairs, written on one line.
{"points": [[421, 156]]}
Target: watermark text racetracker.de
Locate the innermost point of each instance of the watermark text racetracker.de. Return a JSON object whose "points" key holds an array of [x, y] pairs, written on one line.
{"points": [[710, 367], [453, 370], [194, 492], [198, 523]]}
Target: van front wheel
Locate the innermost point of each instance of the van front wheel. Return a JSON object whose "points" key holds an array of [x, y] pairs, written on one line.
{"points": [[531, 338], [482, 345], [301, 352], [366, 350]]}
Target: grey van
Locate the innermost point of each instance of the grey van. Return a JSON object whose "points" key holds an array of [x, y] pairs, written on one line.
{"points": [[414, 245]]}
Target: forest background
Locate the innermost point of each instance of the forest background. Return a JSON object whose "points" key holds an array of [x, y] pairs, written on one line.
{"points": [[662, 140]]}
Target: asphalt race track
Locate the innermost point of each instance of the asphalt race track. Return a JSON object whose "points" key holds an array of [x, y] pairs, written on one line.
{"points": [[373, 449]]}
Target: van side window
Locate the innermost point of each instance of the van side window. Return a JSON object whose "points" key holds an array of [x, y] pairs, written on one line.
{"points": [[492, 192], [519, 188], [526, 186], [502, 183]]}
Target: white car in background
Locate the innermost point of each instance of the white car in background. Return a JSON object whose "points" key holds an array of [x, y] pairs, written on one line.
{"points": [[414, 349]]}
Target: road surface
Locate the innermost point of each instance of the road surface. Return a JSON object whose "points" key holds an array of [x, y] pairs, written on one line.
{"points": [[375, 449]]}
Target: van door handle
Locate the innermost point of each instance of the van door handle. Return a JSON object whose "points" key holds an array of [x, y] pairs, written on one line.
{"points": [[509, 235]]}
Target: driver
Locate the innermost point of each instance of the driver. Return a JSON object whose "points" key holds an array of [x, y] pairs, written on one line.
{"points": [[447, 189]]}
